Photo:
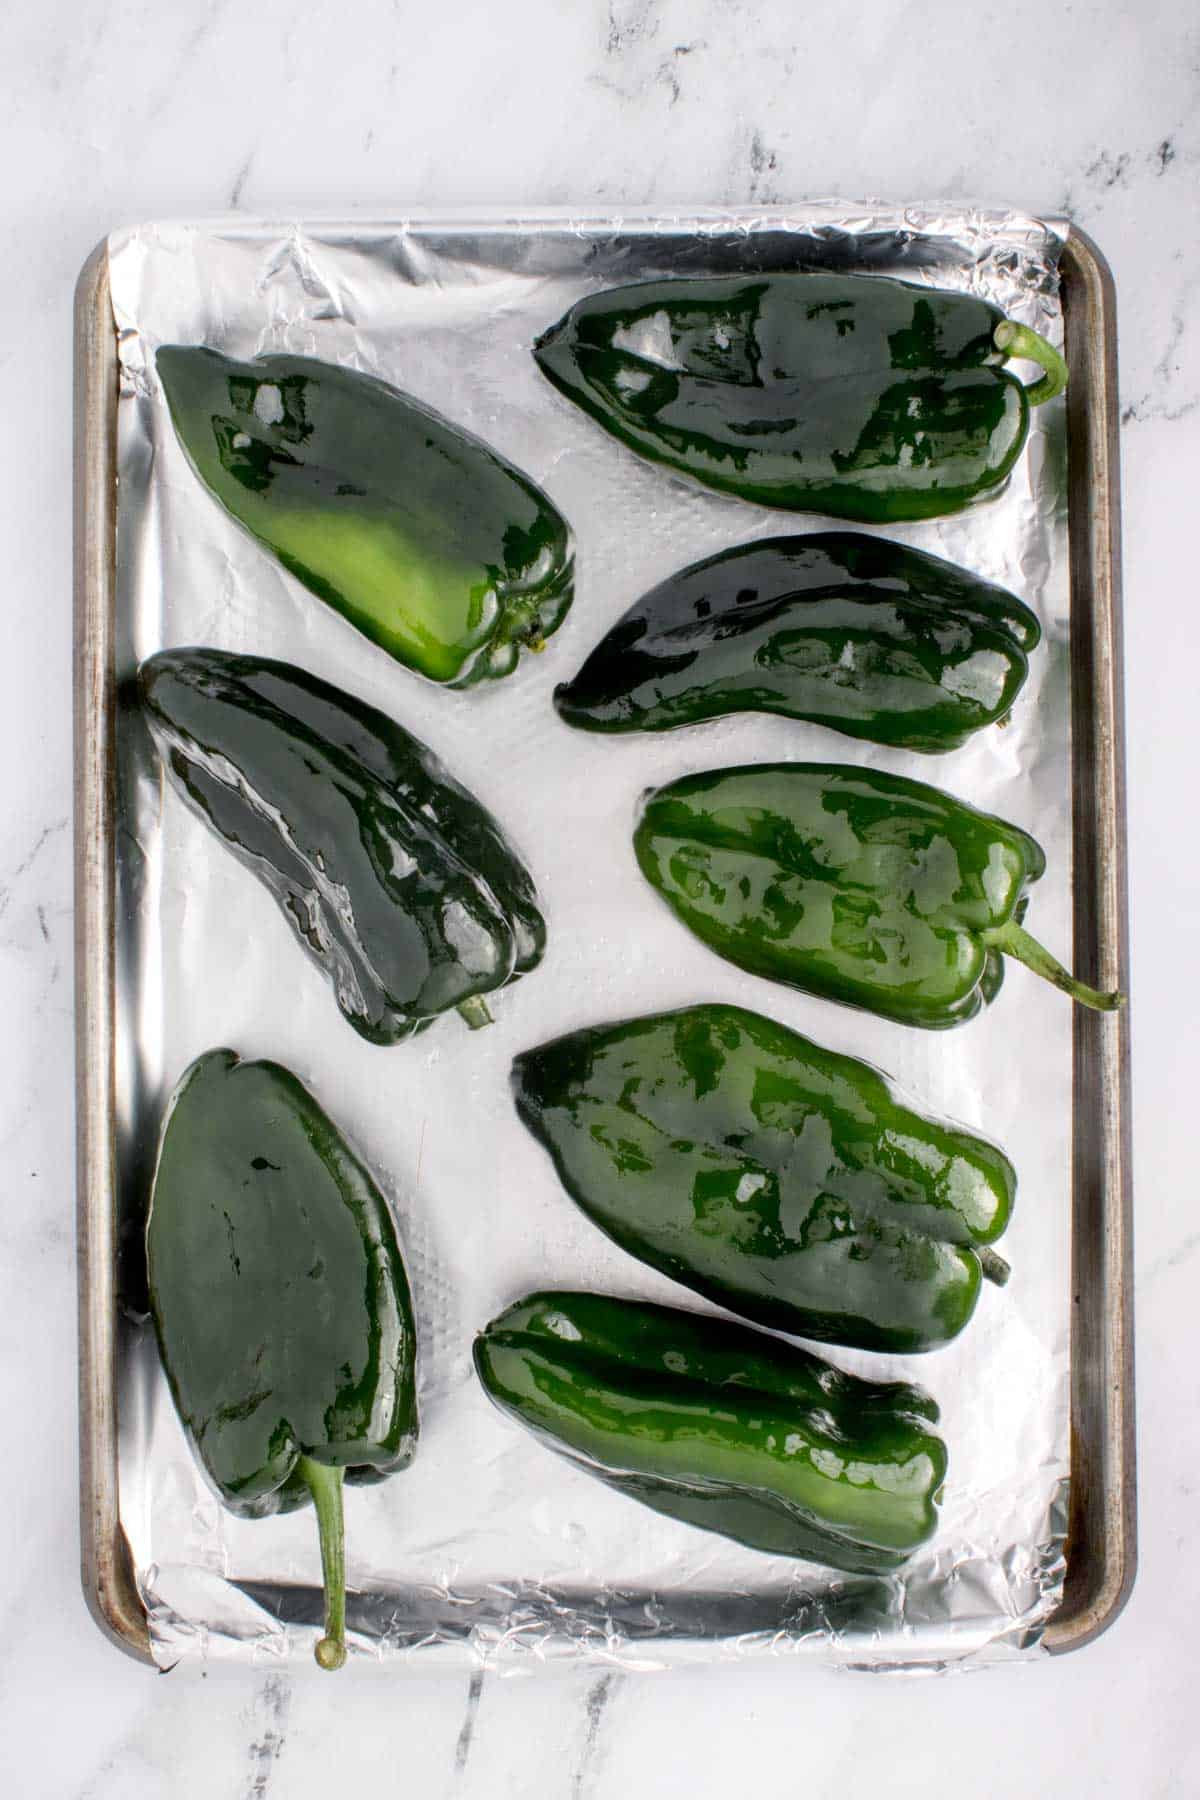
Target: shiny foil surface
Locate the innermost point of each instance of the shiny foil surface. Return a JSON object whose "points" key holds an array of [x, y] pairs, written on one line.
{"points": [[489, 1547]]}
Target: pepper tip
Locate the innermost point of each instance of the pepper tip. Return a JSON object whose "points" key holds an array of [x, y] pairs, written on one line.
{"points": [[330, 1654]]}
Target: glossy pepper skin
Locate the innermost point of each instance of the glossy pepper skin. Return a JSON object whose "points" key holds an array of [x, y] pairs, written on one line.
{"points": [[416, 532], [398, 884], [781, 1180], [859, 886], [851, 395], [281, 1303], [868, 637], [722, 1427]]}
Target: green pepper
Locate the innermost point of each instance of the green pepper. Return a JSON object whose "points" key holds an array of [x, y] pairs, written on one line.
{"points": [[397, 882], [856, 396], [785, 1182], [860, 886], [722, 1427], [418, 533], [281, 1304], [871, 638]]}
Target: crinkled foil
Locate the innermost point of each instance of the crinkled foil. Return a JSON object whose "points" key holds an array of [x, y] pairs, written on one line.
{"points": [[489, 1546]]}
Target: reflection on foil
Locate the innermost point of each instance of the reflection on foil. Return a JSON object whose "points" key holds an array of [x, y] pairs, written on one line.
{"points": [[489, 1548]]}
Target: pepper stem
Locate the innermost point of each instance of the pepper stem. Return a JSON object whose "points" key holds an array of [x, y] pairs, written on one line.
{"points": [[1014, 941], [474, 1010], [1018, 340], [325, 1486], [994, 1266]]}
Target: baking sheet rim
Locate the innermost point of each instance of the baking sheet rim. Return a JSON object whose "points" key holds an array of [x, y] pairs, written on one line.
{"points": [[1101, 1549]]}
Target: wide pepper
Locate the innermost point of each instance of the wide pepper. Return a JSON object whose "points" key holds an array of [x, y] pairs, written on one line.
{"points": [[722, 1427], [863, 887], [869, 637], [281, 1304], [415, 531], [784, 1181], [852, 395], [398, 884]]}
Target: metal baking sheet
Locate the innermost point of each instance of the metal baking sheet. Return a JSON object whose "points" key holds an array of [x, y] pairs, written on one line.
{"points": [[446, 309]]}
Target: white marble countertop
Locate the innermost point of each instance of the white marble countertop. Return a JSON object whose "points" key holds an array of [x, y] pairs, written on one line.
{"points": [[113, 113]]}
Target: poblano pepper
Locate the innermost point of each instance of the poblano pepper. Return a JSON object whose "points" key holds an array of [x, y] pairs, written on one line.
{"points": [[281, 1304], [871, 638], [415, 531], [787, 1183], [851, 395], [722, 1427], [397, 882], [860, 886]]}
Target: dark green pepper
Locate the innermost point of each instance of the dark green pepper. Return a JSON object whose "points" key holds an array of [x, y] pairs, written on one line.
{"points": [[722, 1427], [418, 533], [871, 638], [783, 1181], [396, 881], [852, 395], [859, 886], [281, 1304]]}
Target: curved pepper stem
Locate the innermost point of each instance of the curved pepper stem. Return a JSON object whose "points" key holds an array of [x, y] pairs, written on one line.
{"points": [[325, 1486], [1018, 340], [1013, 941], [475, 1011], [994, 1267]]}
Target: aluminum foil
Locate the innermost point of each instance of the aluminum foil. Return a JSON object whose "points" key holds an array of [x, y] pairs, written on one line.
{"points": [[490, 1547]]}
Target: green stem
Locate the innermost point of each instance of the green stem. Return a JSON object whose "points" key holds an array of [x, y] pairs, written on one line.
{"points": [[474, 1010], [1018, 340], [522, 625], [994, 1267], [325, 1486], [1013, 941]]}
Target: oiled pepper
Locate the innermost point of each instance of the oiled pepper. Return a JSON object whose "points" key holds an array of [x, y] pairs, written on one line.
{"points": [[871, 638], [785, 1182], [415, 531], [722, 1427], [397, 882], [852, 395], [857, 885], [281, 1304]]}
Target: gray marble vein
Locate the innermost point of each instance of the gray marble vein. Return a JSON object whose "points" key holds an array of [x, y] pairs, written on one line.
{"points": [[1179, 1254], [462, 1747], [271, 1706], [588, 1768], [193, 42], [239, 182]]}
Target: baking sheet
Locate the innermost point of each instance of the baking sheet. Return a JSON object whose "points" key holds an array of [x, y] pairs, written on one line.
{"points": [[489, 1545]]}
